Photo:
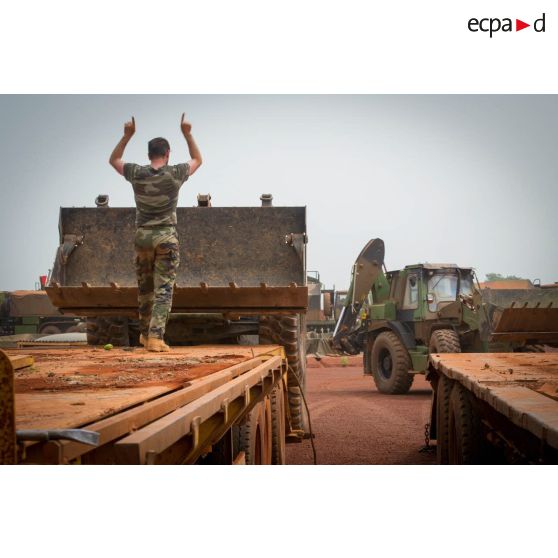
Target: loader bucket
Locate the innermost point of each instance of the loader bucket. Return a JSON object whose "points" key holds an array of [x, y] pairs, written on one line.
{"points": [[523, 324], [232, 259], [505, 298]]}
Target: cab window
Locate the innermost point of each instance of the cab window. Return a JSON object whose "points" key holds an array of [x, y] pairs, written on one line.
{"points": [[410, 301]]}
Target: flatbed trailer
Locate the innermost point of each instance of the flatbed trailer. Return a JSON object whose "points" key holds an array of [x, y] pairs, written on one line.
{"points": [[204, 404], [495, 407]]}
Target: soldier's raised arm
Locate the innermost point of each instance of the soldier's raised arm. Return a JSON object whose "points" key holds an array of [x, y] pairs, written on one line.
{"points": [[195, 155], [118, 152]]}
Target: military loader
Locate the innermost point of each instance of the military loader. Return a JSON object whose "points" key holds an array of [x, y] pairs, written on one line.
{"points": [[242, 279], [398, 318]]}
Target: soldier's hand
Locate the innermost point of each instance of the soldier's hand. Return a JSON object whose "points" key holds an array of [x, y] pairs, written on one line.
{"points": [[130, 128], [185, 126]]}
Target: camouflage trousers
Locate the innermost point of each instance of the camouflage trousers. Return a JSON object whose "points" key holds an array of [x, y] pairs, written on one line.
{"points": [[157, 259]]}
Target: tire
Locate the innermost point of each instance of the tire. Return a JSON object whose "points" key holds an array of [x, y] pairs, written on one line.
{"points": [[464, 436], [103, 330], [443, 392], [278, 426], [50, 329], [251, 434], [290, 332], [444, 341], [390, 363]]}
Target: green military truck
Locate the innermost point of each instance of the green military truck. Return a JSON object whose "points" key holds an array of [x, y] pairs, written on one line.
{"points": [[32, 312]]}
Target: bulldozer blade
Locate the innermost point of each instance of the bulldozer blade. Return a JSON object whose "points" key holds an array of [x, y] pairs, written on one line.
{"points": [[535, 325], [87, 437]]}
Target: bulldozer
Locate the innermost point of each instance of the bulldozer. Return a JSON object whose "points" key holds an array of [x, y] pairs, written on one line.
{"points": [[397, 318], [242, 279]]}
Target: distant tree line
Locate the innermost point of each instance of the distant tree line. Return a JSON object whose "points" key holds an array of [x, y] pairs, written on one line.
{"points": [[500, 277]]}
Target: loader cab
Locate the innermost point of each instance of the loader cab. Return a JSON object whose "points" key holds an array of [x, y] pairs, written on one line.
{"points": [[423, 290], [446, 285]]}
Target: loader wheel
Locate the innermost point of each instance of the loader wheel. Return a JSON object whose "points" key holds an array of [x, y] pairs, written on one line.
{"points": [[251, 434], [290, 332], [390, 362], [278, 427], [104, 330], [464, 436], [444, 341], [443, 392]]}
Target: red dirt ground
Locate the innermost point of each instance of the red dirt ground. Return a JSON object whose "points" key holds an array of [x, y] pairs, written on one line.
{"points": [[355, 424]]}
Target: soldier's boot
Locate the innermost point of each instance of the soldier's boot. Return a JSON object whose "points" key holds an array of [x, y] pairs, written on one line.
{"points": [[157, 345], [143, 340]]}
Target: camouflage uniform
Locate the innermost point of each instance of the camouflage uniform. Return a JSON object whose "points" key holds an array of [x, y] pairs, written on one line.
{"points": [[156, 241]]}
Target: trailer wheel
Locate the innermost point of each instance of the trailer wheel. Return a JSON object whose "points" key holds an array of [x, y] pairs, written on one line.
{"points": [[252, 436], [390, 362], [290, 332], [444, 341], [464, 435], [103, 330], [278, 427], [443, 392]]}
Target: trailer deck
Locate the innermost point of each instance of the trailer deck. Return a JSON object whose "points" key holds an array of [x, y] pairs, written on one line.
{"points": [[119, 392], [523, 387]]}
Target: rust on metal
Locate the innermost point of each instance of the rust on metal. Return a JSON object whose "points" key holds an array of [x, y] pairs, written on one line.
{"points": [[8, 446], [217, 246], [95, 301]]}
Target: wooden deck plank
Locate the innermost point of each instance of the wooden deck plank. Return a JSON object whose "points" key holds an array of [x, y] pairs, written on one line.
{"points": [[42, 411], [21, 361], [129, 420], [67, 388]]}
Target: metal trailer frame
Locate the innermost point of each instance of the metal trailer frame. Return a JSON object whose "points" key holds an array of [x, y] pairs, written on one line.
{"points": [[176, 427], [515, 398]]}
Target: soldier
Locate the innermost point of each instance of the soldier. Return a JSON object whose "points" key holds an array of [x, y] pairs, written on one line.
{"points": [[156, 189]]}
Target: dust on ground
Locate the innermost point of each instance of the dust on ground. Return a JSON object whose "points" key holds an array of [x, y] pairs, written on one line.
{"points": [[355, 424]]}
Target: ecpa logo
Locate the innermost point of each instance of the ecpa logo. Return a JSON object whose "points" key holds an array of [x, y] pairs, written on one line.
{"points": [[493, 25]]}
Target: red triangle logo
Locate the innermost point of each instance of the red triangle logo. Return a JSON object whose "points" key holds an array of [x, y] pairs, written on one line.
{"points": [[519, 25]]}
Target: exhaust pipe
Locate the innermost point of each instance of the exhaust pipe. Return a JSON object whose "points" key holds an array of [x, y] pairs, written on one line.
{"points": [[102, 200], [204, 200], [267, 200]]}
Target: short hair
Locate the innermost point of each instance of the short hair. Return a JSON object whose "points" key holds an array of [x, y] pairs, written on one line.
{"points": [[157, 147]]}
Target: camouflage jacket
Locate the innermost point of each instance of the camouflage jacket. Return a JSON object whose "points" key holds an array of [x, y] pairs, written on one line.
{"points": [[156, 192]]}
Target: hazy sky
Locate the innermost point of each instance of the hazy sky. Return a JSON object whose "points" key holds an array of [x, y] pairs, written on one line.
{"points": [[466, 179]]}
